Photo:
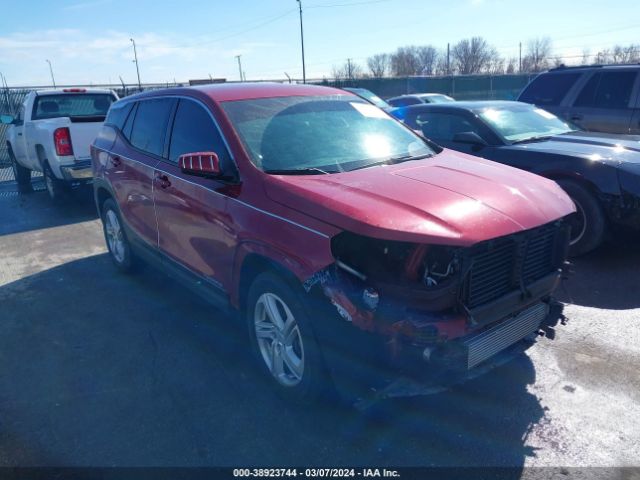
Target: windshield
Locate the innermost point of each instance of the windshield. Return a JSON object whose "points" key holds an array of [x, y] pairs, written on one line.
{"points": [[372, 97], [437, 99], [331, 133], [72, 105], [516, 124]]}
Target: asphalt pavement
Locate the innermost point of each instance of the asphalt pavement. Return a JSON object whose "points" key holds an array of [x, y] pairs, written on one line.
{"points": [[102, 369]]}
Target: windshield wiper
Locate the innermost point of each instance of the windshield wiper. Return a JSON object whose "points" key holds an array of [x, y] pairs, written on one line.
{"points": [[393, 160], [299, 171], [538, 138]]}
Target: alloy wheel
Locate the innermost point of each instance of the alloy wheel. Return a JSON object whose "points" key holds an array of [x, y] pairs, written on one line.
{"points": [[578, 223], [279, 339], [114, 236]]}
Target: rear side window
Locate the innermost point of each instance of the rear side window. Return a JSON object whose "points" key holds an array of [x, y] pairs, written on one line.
{"points": [[607, 90], [194, 131], [549, 89], [72, 105], [404, 102], [118, 114], [443, 126], [150, 125]]}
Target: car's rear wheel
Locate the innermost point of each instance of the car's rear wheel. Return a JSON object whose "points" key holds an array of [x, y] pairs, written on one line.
{"points": [[56, 189], [116, 238], [283, 340], [21, 174], [588, 224]]}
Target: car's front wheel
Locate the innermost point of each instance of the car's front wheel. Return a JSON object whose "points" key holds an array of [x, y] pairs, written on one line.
{"points": [[116, 238], [588, 224], [283, 340]]}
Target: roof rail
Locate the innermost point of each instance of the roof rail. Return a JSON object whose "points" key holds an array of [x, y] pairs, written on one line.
{"points": [[575, 67]]}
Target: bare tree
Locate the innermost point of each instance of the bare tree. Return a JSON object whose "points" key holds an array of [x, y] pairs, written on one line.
{"points": [[427, 58], [628, 54], [512, 65], [537, 56], [405, 62], [379, 65], [348, 71], [603, 57], [472, 55], [586, 54]]}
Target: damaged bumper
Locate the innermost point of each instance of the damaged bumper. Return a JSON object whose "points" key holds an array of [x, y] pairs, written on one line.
{"points": [[493, 297]]}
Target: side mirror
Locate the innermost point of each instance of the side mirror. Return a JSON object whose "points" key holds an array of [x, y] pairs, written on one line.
{"points": [[7, 119], [201, 164], [471, 138]]}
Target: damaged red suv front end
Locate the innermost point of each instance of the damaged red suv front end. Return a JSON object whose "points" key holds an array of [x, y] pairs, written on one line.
{"points": [[432, 257]]}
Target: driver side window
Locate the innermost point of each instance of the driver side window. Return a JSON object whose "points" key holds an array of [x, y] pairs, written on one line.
{"points": [[443, 126]]}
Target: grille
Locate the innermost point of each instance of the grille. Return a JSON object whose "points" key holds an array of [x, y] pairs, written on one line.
{"points": [[503, 265]]}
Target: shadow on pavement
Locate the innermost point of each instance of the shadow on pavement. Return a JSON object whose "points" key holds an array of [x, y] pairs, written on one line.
{"points": [[98, 368], [598, 278], [24, 212]]}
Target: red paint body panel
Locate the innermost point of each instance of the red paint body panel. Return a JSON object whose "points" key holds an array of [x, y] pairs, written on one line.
{"points": [[452, 199]]}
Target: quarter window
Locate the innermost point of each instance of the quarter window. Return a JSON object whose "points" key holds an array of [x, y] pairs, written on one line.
{"points": [[194, 131], [150, 125], [117, 115]]}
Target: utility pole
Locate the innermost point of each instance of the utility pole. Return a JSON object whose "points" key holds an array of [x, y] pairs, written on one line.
{"points": [[239, 66], [520, 63], [304, 71], [448, 60], [135, 55], [53, 80]]}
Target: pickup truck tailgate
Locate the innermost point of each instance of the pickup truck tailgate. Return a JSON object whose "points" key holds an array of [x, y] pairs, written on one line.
{"points": [[82, 136]]}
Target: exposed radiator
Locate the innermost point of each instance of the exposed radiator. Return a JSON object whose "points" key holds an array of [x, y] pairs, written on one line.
{"points": [[489, 342]]}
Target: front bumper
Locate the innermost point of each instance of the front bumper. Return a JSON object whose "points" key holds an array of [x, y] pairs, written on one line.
{"points": [[80, 171]]}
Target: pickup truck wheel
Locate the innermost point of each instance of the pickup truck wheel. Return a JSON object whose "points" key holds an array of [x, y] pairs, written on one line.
{"points": [[116, 238], [55, 188], [283, 341], [588, 224], [21, 174]]}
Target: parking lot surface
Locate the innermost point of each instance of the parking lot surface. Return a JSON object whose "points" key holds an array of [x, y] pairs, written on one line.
{"points": [[101, 369]]}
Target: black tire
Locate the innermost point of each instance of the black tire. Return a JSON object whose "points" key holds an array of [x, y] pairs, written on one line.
{"points": [[588, 223], [314, 381], [123, 257], [56, 188], [21, 174]]}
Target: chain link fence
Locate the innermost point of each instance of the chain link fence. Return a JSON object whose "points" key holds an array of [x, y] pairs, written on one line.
{"points": [[460, 87]]}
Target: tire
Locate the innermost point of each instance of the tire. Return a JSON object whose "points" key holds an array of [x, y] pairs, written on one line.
{"points": [[588, 224], [286, 348], [56, 188], [21, 174], [116, 238]]}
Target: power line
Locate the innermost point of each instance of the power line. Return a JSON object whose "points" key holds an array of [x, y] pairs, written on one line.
{"points": [[351, 4]]}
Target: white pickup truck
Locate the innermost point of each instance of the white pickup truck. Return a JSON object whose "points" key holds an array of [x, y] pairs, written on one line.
{"points": [[52, 134]]}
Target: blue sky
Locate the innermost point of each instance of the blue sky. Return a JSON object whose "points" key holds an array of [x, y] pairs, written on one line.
{"points": [[87, 41]]}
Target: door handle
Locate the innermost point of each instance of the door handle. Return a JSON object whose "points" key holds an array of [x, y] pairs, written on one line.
{"points": [[163, 180], [576, 117], [19, 134], [116, 161]]}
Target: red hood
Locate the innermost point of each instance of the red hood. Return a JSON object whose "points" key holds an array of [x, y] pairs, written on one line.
{"points": [[451, 198]]}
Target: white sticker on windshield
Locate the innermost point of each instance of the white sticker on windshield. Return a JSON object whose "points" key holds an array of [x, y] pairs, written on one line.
{"points": [[368, 110], [544, 113]]}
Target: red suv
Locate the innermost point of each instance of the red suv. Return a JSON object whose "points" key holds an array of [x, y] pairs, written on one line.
{"points": [[346, 240]]}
